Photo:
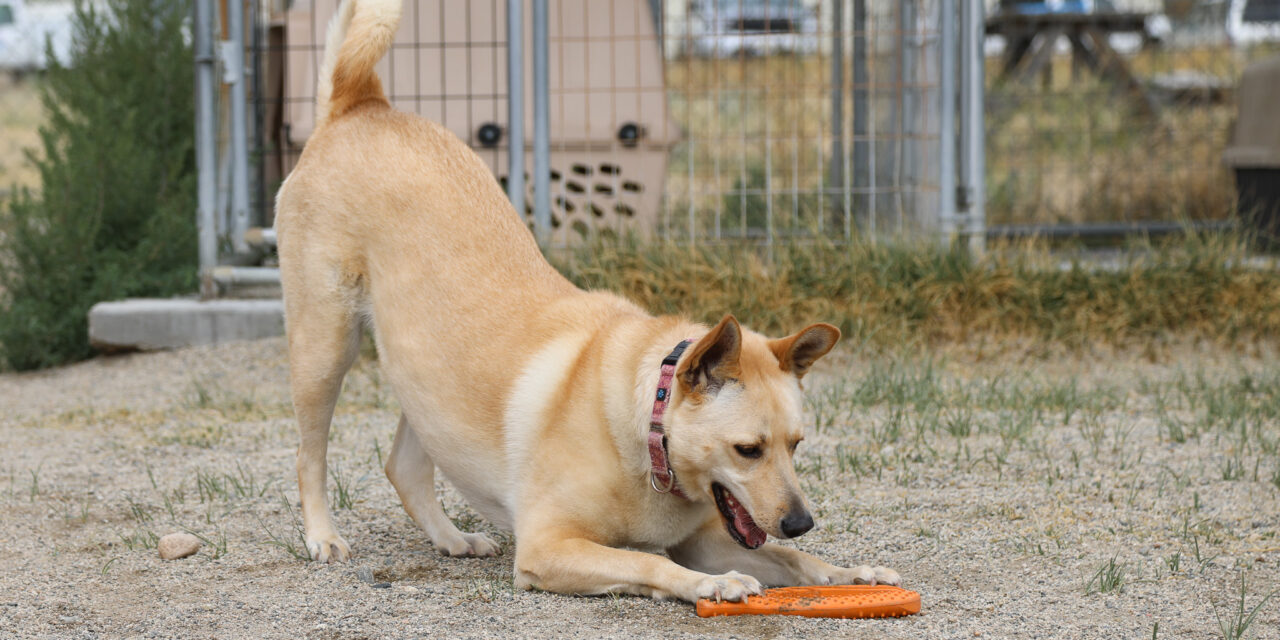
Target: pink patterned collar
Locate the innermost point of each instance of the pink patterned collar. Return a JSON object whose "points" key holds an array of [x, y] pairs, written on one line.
{"points": [[661, 476]]}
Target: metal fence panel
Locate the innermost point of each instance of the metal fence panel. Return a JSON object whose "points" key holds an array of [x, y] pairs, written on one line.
{"points": [[696, 120], [1119, 114]]}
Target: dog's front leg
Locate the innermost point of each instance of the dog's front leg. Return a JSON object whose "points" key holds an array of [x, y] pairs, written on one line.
{"points": [[578, 566], [711, 549]]}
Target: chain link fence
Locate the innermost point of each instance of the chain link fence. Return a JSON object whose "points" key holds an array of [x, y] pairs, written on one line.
{"points": [[698, 120], [746, 120], [1116, 112]]}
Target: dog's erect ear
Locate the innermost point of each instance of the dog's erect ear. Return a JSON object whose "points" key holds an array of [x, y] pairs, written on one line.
{"points": [[798, 352], [713, 360]]}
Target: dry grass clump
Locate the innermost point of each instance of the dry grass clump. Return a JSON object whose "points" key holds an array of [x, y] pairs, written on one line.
{"points": [[890, 293]]}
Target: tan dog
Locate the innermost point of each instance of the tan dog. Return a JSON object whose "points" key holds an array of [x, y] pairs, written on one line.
{"points": [[533, 397]]}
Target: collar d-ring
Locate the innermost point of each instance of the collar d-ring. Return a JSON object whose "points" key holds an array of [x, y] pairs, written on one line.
{"points": [[668, 486]]}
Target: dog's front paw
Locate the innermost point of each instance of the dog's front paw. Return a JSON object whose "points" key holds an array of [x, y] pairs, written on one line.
{"points": [[732, 586], [469, 545], [328, 548], [866, 575]]}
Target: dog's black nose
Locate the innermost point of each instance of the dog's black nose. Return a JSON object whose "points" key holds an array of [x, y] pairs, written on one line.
{"points": [[796, 523]]}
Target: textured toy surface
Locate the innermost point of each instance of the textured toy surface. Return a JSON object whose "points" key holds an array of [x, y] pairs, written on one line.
{"points": [[844, 601]]}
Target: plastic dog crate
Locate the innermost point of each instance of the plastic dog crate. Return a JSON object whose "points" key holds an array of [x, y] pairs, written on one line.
{"points": [[1254, 152], [610, 134]]}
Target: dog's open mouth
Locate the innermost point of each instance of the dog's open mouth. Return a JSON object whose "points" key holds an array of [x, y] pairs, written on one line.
{"points": [[741, 527]]}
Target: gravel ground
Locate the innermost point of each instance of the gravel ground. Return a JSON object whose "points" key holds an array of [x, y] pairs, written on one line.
{"points": [[996, 487]]}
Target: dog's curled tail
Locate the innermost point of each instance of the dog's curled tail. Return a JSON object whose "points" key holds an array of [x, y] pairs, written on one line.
{"points": [[359, 35]]}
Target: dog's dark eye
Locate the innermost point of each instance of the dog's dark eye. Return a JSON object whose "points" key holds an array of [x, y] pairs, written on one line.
{"points": [[748, 450]]}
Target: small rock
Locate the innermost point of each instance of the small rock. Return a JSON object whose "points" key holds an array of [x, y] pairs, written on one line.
{"points": [[382, 585], [365, 575], [407, 589], [178, 545]]}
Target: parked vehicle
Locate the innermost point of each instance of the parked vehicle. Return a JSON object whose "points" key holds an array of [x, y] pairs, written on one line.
{"points": [[726, 28], [1253, 21], [25, 30]]}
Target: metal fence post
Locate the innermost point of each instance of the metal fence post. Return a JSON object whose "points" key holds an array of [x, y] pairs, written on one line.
{"points": [[206, 161], [235, 71], [972, 129], [863, 172], [541, 126], [837, 109], [947, 122], [515, 105]]}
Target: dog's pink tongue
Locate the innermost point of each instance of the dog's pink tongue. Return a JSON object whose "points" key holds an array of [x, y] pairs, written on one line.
{"points": [[747, 528]]}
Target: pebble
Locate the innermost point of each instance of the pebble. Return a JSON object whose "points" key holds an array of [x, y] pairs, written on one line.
{"points": [[178, 545], [365, 575]]}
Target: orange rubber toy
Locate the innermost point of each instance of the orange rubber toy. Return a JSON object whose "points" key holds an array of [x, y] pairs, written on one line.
{"points": [[844, 601]]}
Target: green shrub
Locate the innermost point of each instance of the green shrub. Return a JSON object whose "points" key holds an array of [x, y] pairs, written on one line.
{"points": [[114, 216]]}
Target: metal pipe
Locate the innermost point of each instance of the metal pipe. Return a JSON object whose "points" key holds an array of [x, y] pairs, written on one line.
{"points": [[972, 127], [260, 237], [947, 123], [862, 170], [206, 160], [515, 105], [239, 127], [246, 275], [541, 126], [909, 145], [837, 104]]}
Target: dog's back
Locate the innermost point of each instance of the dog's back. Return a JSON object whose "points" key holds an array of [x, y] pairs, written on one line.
{"points": [[388, 211]]}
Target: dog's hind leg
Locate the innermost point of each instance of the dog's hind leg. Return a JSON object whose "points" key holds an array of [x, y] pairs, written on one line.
{"points": [[324, 339], [412, 473]]}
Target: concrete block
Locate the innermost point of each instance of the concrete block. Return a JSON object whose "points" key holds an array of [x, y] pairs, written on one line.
{"points": [[150, 324]]}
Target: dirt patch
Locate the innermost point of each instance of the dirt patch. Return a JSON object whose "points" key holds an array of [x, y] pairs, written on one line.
{"points": [[1083, 496]]}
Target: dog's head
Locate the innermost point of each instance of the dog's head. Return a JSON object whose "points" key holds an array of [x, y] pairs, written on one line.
{"points": [[735, 426]]}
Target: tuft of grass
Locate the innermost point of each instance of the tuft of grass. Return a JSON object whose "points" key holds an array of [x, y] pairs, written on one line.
{"points": [[1237, 622], [295, 545], [1109, 577], [217, 545], [892, 293], [346, 488]]}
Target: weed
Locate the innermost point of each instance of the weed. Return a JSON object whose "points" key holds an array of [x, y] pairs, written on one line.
{"points": [[210, 487], [346, 490], [139, 539], [489, 589], [138, 511], [243, 484], [1109, 577], [959, 423], [295, 545], [1236, 624], [1232, 468], [217, 546], [35, 482]]}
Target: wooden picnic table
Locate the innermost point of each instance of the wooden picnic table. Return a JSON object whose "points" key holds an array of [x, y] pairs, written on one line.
{"points": [[1030, 40]]}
